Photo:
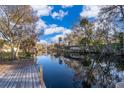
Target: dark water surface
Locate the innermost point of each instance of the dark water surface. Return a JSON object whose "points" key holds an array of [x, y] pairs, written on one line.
{"points": [[90, 71]]}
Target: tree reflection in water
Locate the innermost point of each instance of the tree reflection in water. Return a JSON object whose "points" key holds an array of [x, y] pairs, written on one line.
{"points": [[97, 71]]}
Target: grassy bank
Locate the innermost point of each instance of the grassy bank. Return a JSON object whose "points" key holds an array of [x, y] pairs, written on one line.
{"points": [[6, 56]]}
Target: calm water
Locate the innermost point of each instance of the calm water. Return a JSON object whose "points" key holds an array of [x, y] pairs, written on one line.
{"points": [[90, 71]]}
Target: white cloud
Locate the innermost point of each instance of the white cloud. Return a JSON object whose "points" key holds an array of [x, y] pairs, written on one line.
{"points": [[67, 6], [67, 31], [59, 15], [40, 25], [56, 38], [53, 29], [90, 11], [42, 10], [56, 29], [63, 35], [43, 42]]}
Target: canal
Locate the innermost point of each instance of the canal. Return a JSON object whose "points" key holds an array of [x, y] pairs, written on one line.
{"points": [[92, 71]]}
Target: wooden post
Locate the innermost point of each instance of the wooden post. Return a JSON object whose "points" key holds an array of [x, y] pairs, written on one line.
{"points": [[41, 77]]}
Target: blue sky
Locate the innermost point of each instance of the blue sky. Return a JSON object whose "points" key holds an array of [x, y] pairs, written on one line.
{"points": [[67, 21], [56, 21]]}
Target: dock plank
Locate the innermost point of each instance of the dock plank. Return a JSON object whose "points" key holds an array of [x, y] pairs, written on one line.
{"points": [[19, 76]]}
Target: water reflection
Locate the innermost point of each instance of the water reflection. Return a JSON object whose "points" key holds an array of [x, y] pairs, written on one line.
{"points": [[98, 71], [90, 71]]}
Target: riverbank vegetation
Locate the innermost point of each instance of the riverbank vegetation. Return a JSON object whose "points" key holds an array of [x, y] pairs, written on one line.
{"points": [[103, 35], [18, 31]]}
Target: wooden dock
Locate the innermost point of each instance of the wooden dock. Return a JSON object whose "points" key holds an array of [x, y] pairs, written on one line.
{"points": [[20, 76]]}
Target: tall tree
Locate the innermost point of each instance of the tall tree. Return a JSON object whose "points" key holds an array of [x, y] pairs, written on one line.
{"points": [[16, 24], [114, 15], [87, 28]]}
